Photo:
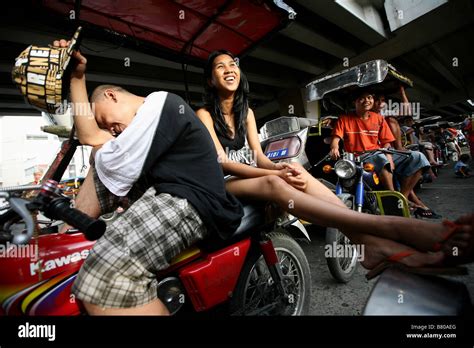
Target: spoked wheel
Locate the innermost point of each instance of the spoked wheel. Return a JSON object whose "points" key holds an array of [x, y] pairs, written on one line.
{"points": [[256, 293], [342, 262]]}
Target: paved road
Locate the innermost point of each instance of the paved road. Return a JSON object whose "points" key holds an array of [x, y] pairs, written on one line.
{"points": [[448, 196]]}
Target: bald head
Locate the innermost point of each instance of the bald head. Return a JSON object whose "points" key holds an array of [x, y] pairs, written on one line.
{"points": [[99, 92], [114, 107]]}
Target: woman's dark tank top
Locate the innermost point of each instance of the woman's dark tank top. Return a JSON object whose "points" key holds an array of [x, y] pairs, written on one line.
{"points": [[235, 144], [236, 149]]}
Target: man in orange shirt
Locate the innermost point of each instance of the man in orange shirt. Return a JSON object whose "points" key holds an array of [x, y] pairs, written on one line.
{"points": [[366, 130]]}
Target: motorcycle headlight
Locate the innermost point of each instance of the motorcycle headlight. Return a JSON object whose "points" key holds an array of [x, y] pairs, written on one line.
{"points": [[348, 183], [345, 169]]}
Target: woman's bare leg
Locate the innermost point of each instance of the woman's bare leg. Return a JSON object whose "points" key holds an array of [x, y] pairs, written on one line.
{"points": [[317, 189], [417, 233]]}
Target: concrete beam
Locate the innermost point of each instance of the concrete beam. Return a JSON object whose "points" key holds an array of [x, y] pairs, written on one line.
{"points": [[362, 21], [17, 112], [406, 67], [401, 12], [270, 81], [418, 96], [440, 111], [105, 49], [271, 55], [9, 91], [454, 15], [309, 37], [127, 80], [456, 96], [158, 84], [266, 109], [451, 113], [90, 47], [459, 109], [10, 105], [444, 69]]}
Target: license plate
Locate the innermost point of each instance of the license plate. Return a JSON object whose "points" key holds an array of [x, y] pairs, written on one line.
{"points": [[277, 153]]}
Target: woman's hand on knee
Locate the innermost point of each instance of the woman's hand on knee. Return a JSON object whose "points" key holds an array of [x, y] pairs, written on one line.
{"points": [[288, 170], [287, 166], [299, 182], [294, 177]]}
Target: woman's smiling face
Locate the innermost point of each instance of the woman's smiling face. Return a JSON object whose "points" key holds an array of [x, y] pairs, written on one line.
{"points": [[225, 73]]}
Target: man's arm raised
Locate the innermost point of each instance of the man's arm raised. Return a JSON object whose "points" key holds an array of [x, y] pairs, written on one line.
{"points": [[87, 129]]}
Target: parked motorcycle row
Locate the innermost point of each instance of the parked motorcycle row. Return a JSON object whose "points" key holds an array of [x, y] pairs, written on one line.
{"points": [[447, 139], [357, 185], [448, 143]]}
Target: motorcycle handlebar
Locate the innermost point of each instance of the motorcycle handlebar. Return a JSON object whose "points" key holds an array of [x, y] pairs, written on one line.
{"points": [[390, 151], [19, 206], [306, 122], [60, 209]]}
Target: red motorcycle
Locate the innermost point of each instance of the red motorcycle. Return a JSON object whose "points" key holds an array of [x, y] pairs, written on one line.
{"points": [[258, 271]]}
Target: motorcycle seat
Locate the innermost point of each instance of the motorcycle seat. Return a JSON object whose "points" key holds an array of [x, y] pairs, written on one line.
{"points": [[254, 218], [252, 221]]}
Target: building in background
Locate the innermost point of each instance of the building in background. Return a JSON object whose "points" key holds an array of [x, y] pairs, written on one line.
{"points": [[24, 149]]}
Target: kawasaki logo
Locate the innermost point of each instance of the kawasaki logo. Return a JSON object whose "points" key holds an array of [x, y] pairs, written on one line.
{"points": [[48, 265]]}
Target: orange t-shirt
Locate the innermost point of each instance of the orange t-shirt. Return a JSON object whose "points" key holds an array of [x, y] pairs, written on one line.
{"points": [[363, 135]]}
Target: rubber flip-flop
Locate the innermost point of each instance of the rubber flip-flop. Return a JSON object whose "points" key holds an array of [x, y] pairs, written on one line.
{"points": [[394, 261]]}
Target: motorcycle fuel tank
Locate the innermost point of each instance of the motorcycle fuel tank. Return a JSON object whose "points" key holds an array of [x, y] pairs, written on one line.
{"points": [[35, 279]]}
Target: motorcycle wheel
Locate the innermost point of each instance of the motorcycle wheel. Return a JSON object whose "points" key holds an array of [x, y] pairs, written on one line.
{"points": [[255, 293], [341, 268]]}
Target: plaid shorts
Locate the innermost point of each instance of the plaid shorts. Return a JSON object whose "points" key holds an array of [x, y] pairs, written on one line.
{"points": [[120, 271]]}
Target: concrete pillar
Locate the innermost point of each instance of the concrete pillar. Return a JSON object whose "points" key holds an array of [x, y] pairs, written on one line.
{"points": [[293, 103]]}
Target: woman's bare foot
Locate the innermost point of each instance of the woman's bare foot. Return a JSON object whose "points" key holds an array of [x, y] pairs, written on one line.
{"points": [[378, 250], [459, 248], [424, 236]]}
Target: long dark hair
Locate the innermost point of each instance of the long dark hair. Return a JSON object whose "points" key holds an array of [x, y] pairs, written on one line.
{"points": [[240, 107]]}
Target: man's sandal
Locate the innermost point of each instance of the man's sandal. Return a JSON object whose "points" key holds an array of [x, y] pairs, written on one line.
{"points": [[394, 261], [426, 213]]}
